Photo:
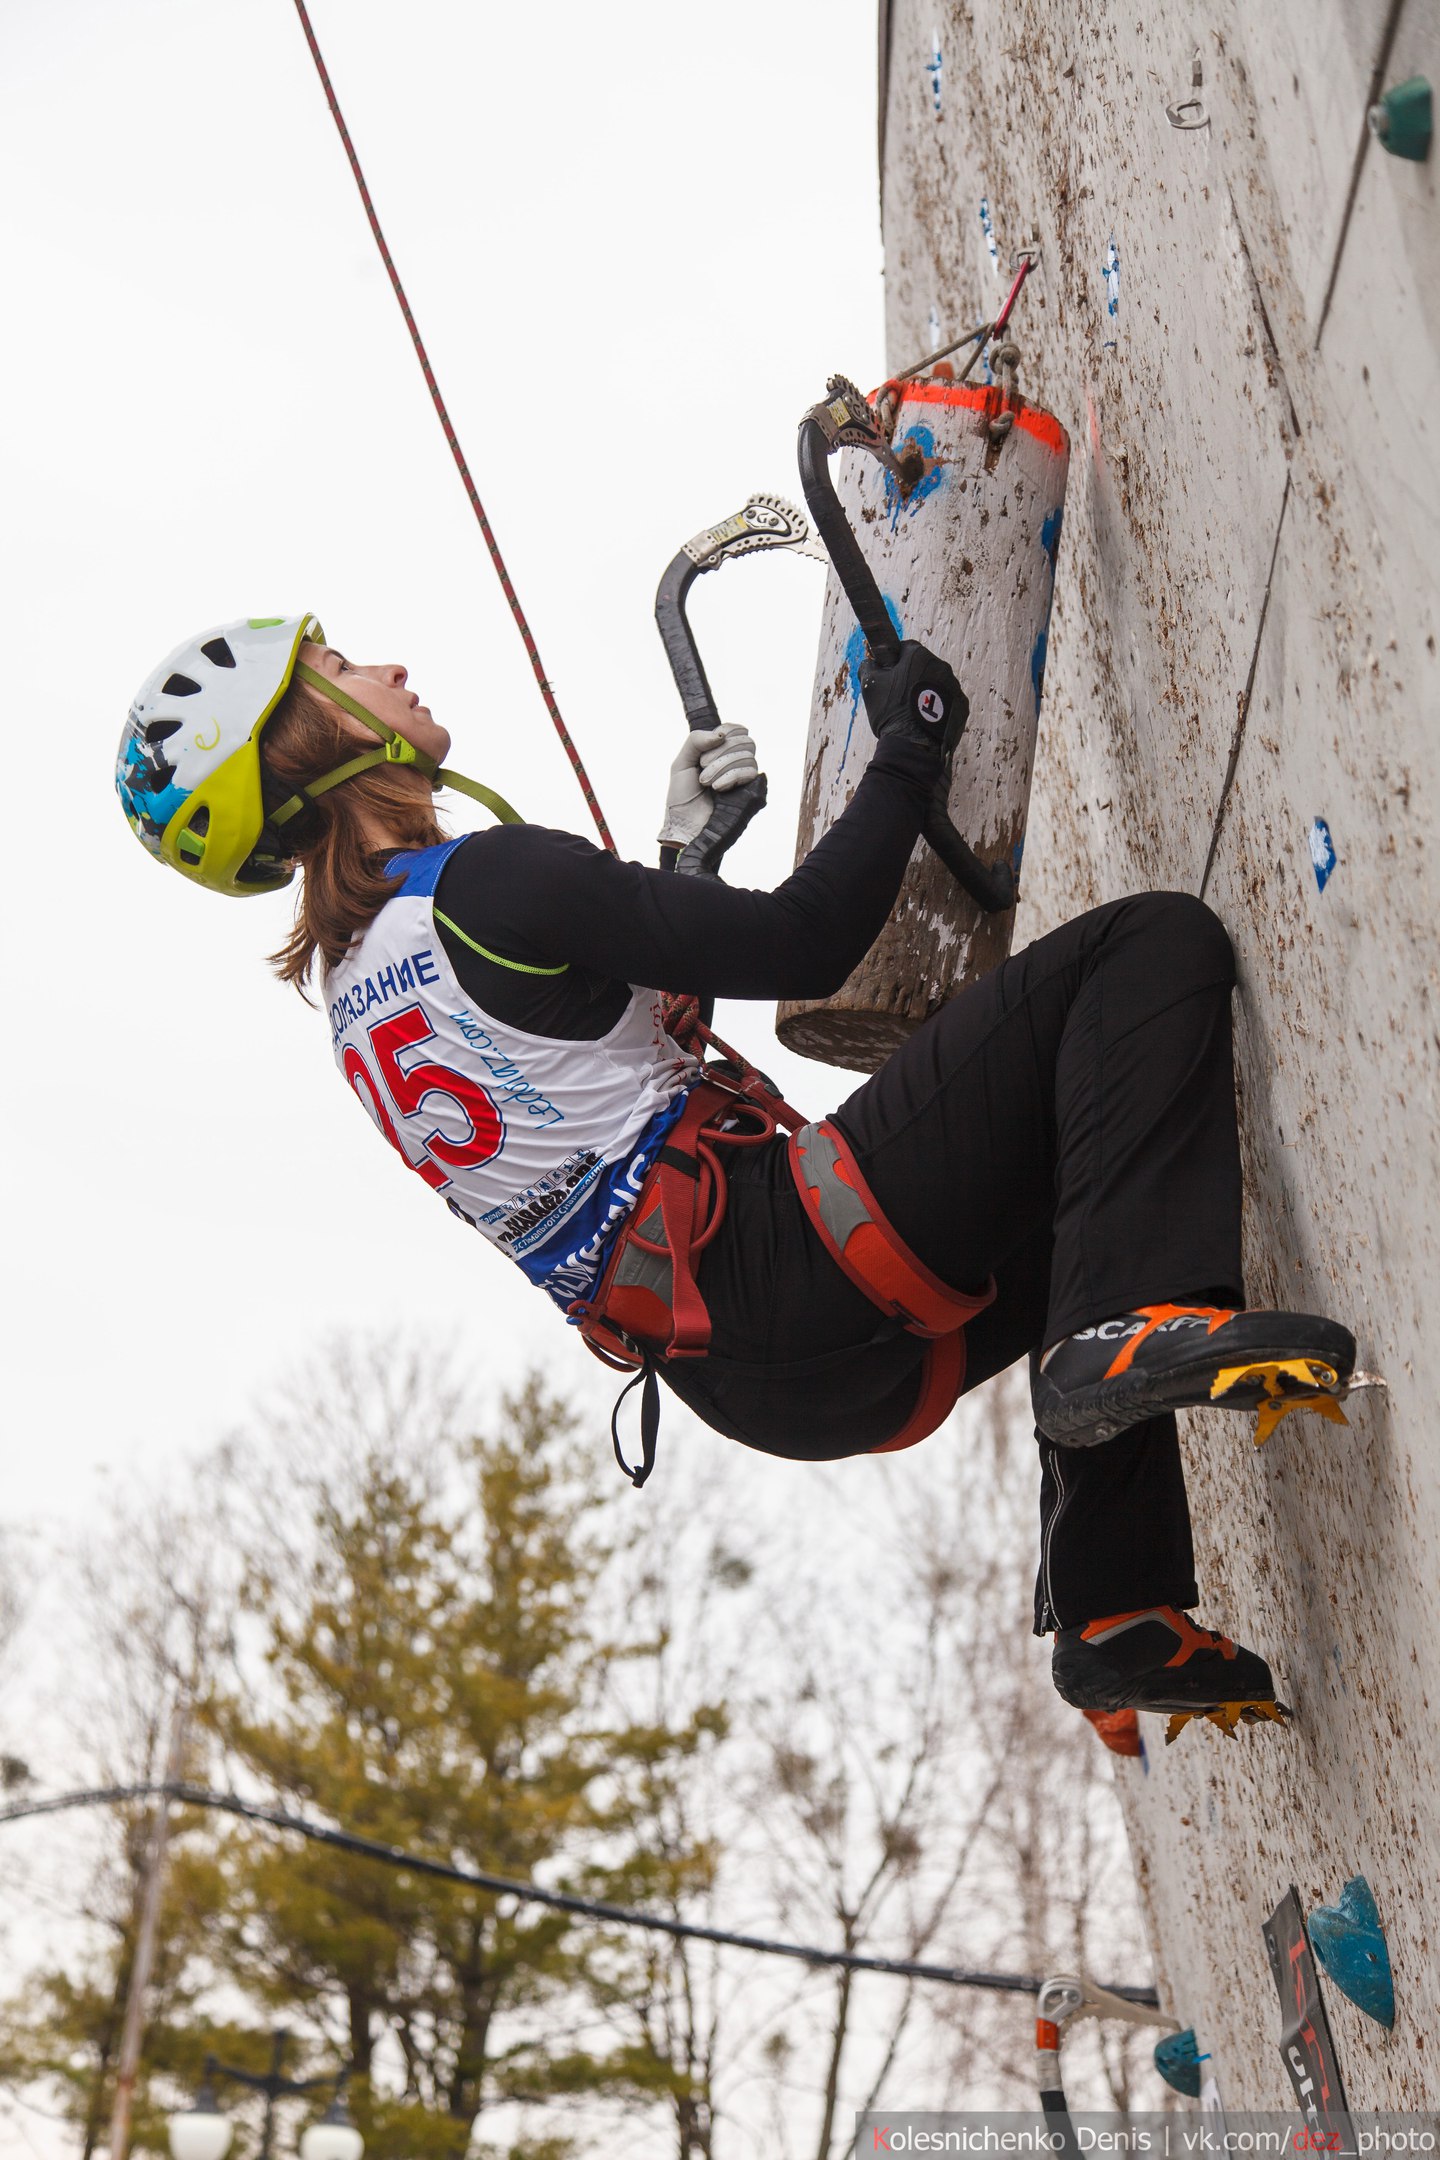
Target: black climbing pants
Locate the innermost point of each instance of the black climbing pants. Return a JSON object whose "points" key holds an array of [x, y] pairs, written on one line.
{"points": [[1066, 1125]]}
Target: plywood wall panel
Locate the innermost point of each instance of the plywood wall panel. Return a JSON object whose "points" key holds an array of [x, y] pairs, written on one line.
{"points": [[1243, 497]]}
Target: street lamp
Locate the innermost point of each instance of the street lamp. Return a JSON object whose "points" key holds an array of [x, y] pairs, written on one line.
{"points": [[202, 2132], [334, 2137]]}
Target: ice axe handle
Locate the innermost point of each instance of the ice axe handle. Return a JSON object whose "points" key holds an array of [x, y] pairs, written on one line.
{"points": [[857, 580], [991, 886], [732, 813], [737, 806]]}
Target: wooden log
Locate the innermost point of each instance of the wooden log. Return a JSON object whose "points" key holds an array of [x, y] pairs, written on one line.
{"points": [[964, 554]]}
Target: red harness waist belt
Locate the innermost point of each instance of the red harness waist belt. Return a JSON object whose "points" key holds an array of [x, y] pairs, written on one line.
{"points": [[648, 1304]]}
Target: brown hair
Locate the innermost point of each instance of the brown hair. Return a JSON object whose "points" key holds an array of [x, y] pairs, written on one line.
{"points": [[343, 879]]}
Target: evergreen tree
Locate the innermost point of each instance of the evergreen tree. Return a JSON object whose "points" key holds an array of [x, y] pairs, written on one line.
{"points": [[434, 1685]]}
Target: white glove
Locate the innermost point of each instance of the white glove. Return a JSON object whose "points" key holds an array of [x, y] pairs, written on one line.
{"points": [[711, 760]]}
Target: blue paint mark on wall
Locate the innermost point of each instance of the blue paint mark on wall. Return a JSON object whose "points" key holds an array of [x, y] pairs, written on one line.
{"points": [[919, 438], [854, 660], [989, 231], [1322, 852], [1112, 288], [934, 68]]}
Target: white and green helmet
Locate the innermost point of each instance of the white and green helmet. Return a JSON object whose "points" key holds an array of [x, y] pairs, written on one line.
{"points": [[188, 773]]}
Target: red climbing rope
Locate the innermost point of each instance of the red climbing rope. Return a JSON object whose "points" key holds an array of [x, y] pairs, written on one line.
{"points": [[451, 437]]}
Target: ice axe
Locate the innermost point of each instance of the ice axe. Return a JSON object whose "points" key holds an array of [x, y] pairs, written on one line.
{"points": [[845, 419], [764, 522]]}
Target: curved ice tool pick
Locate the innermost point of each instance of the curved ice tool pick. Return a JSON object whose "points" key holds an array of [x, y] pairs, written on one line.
{"points": [[845, 419], [766, 521]]}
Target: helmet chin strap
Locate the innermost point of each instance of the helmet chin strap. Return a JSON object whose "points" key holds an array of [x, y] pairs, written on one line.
{"points": [[394, 749]]}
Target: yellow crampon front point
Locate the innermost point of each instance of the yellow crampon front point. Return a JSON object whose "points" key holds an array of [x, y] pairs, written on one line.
{"points": [[1228, 1715], [1299, 1383]]}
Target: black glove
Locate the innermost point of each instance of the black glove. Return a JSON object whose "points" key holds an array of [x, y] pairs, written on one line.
{"points": [[914, 693]]}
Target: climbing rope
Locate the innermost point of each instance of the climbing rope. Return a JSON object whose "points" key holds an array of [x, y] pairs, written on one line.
{"points": [[452, 438]]}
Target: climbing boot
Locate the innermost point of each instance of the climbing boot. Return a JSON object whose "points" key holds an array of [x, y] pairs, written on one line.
{"points": [[1099, 1382], [1158, 1659]]}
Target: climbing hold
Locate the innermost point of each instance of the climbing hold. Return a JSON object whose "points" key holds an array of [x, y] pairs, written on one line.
{"points": [[1227, 1715], [1322, 852], [1350, 1944], [1178, 2060], [1402, 122]]}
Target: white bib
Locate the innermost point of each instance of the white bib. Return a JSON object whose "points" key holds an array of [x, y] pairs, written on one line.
{"points": [[540, 1143]]}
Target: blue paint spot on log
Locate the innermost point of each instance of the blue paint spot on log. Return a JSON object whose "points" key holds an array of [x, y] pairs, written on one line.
{"points": [[1322, 852], [1050, 533], [854, 659], [919, 438], [1037, 662], [1349, 1942]]}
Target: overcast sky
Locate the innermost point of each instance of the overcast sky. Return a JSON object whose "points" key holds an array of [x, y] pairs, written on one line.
{"points": [[636, 240]]}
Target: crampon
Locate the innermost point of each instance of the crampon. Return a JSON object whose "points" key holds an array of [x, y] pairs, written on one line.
{"points": [[1104, 1379], [1159, 1659]]}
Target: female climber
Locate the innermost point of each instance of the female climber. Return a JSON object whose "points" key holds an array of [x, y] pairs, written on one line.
{"points": [[1048, 1167]]}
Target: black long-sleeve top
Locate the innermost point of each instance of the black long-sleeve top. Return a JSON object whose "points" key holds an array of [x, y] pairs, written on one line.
{"points": [[544, 899]]}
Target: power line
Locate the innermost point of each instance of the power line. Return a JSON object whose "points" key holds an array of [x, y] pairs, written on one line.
{"points": [[529, 1893]]}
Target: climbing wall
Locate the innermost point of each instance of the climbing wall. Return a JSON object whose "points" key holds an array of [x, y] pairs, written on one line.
{"points": [[1237, 315]]}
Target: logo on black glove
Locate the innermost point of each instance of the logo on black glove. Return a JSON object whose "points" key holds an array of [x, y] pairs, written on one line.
{"points": [[931, 707]]}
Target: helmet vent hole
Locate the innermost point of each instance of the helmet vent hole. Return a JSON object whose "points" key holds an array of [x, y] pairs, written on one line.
{"points": [[199, 824], [215, 649], [178, 686], [161, 730]]}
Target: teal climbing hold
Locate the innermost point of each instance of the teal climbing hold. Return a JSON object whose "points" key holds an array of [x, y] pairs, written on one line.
{"points": [[1349, 1941], [1178, 2060], [1402, 121]]}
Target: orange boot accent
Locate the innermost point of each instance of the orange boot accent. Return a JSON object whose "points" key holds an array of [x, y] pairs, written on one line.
{"points": [[1192, 1638], [1158, 1315]]}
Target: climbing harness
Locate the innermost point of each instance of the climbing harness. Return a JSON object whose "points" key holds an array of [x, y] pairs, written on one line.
{"points": [[649, 1307], [486, 530]]}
